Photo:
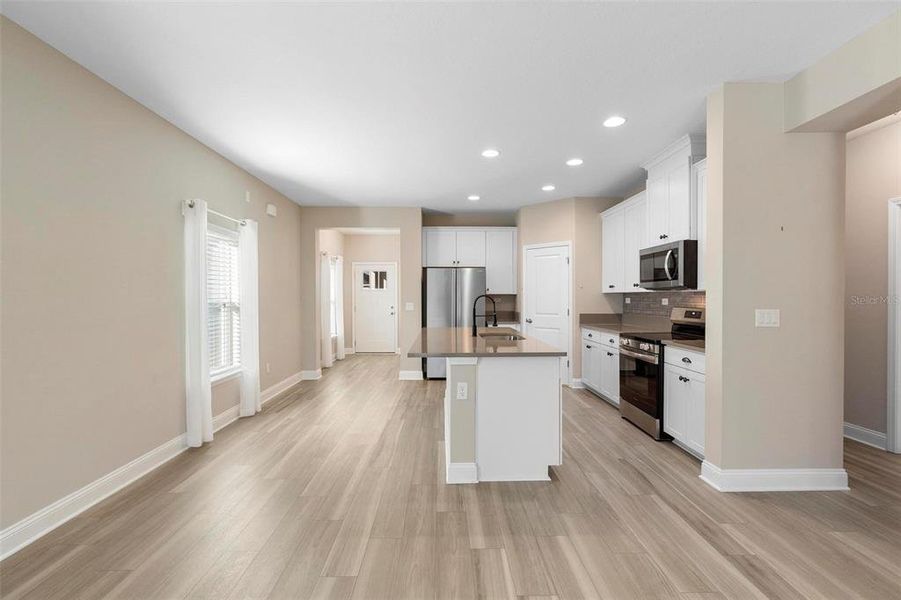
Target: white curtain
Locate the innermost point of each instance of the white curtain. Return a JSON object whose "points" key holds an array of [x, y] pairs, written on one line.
{"points": [[339, 305], [325, 288], [248, 272], [199, 414]]}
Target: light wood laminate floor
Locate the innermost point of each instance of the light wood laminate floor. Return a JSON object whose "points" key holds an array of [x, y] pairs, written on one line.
{"points": [[336, 491]]}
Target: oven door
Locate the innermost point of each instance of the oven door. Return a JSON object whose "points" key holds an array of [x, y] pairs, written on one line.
{"points": [[640, 377]]}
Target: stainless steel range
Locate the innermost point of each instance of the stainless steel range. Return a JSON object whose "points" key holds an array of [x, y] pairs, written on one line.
{"points": [[641, 369]]}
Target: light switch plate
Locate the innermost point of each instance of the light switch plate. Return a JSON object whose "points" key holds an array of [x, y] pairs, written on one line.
{"points": [[766, 317], [462, 390], [664, 301], [409, 307], [628, 300], [271, 210]]}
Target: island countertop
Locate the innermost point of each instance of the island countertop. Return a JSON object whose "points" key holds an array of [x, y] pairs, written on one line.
{"points": [[457, 342]]}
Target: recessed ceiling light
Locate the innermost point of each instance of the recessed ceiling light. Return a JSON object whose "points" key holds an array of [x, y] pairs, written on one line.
{"points": [[614, 121], [574, 162], [548, 188], [490, 153], [473, 198]]}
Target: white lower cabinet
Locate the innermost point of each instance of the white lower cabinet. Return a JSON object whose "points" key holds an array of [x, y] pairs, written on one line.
{"points": [[684, 403], [600, 364]]}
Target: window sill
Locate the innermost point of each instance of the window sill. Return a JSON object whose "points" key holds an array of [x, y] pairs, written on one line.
{"points": [[225, 376]]}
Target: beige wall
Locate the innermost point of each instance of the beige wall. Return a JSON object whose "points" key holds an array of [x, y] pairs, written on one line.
{"points": [[873, 175], [853, 85], [364, 248], [575, 220], [409, 222], [775, 215], [431, 218], [93, 297]]}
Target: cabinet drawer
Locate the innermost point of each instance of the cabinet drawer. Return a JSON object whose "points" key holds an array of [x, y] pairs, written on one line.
{"points": [[601, 337], [693, 361]]}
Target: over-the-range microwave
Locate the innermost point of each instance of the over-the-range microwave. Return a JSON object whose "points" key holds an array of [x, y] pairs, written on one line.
{"points": [[672, 266]]}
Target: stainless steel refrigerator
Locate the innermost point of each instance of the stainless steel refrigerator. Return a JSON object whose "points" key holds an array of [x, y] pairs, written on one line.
{"points": [[447, 297]]}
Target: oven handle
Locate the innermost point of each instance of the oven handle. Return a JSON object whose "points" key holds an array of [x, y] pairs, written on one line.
{"points": [[642, 357], [666, 265]]}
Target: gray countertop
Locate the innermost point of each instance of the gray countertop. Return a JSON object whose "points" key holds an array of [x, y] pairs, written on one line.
{"points": [[457, 342], [693, 345]]}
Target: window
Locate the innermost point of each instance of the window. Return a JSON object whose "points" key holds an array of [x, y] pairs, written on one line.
{"points": [[333, 297], [224, 325], [375, 280]]}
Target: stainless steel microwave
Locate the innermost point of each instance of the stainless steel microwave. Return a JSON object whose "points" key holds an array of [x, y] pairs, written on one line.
{"points": [[672, 266]]}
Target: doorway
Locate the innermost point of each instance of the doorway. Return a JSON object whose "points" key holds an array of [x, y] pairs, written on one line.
{"points": [[893, 429], [375, 307], [547, 295]]}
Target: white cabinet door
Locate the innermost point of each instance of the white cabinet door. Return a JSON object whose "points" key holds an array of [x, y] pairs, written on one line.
{"points": [[680, 214], [609, 375], [440, 248], [471, 248], [500, 261], [590, 356], [658, 210], [674, 402], [700, 187], [613, 234], [636, 215], [695, 420]]}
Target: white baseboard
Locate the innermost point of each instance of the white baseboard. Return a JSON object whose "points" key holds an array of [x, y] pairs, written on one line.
{"points": [[274, 390], [773, 480], [50, 517], [462, 473], [865, 436], [348, 351], [410, 375], [577, 384], [311, 375], [226, 417]]}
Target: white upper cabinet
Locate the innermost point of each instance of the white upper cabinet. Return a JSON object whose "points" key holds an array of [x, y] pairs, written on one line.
{"points": [[613, 231], [699, 172], [470, 248], [500, 260], [636, 212], [491, 247], [672, 213], [439, 248]]}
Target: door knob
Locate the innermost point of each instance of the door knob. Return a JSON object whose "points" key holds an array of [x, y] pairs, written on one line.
{"points": [[528, 320]]}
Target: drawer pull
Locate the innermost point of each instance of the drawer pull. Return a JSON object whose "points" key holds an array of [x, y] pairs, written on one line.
{"points": [[610, 354], [687, 360]]}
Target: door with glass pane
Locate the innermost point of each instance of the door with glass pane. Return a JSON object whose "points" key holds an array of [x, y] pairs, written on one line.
{"points": [[375, 307]]}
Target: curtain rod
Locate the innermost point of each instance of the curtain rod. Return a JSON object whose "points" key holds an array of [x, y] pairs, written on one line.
{"points": [[219, 214]]}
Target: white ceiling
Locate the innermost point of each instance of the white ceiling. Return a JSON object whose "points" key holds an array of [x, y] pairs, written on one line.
{"points": [[392, 103]]}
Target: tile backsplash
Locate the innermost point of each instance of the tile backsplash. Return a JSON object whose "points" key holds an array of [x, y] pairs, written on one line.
{"points": [[651, 303]]}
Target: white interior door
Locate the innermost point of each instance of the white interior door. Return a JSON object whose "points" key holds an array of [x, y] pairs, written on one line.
{"points": [[375, 307], [546, 297]]}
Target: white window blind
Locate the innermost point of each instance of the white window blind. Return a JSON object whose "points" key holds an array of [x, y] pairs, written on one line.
{"points": [[224, 301]]}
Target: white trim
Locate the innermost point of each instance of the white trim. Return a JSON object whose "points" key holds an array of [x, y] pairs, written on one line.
{"points": [[353, 298], [773, 480], [226, 375], [311, 375], [50, 517], [274, 390], [864, 435], [577, 384], [568, 370], [348, 351], [226, 417], [463, 360], [410, 376], [893, 404], [461, 473]]}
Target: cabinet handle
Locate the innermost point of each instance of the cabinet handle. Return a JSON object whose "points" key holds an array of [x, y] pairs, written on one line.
{"points": [[588, 347], [589, 335], [634, 285], [664, 236], [687, 360], [610, 354], [528, 320], [659, 237], [611, 341], [611, 286]]}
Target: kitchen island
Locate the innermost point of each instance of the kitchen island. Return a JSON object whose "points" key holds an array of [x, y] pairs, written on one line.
{"points": [[503, 406]]}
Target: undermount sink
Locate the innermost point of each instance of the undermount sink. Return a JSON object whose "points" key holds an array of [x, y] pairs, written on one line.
{"points": [[507, 337]]}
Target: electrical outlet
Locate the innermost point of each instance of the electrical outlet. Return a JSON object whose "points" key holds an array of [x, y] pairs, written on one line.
{"points": [[766, 317], [462, 390], [272, 210], [628, 300], [664, 301]]}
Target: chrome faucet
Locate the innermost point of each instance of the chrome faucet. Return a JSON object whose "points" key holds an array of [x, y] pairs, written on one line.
{"points": [[475, 331]]}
